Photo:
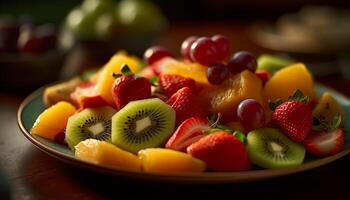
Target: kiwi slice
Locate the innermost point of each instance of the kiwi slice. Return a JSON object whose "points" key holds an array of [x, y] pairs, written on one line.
{"points": [[269, 148], [142, 124], [92, 123]]}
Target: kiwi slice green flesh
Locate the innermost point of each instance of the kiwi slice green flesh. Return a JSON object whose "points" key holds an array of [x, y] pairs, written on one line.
{"points": [[270, 148], [142, 124], [90, 123]]}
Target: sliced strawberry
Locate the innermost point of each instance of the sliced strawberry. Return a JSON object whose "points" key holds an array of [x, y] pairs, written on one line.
{"points": [[190, 131], [322, 144], [186, 105], [169, 83], [221, 151], [86, 96]]}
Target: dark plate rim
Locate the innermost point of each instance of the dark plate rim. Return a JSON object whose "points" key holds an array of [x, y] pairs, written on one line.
{"points": [[208, 177]]}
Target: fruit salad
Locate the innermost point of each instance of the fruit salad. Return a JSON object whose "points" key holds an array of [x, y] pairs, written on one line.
{"points": [[207, 111]]}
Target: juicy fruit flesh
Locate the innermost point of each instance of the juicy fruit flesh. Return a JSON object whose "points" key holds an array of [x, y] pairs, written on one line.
{"points": [[142, 124], [160, 160], [269, 148], [104, 153], [286, 81], [191, 70], [106, 80], [328, 108], [90, 123], [225, 98], [53, 120]]}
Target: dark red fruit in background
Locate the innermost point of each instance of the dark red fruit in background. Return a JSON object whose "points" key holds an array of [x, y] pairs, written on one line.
{"points": [[223, 45], [155, 53], [28, 42], [186, 47], [9, 31], [217, 73], [47, 34], [204, 51], [242, 60]]}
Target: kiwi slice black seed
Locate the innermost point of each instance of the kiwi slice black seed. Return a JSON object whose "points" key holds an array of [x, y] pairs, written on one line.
{"points": [[143, 124], [90, 123], [270, 148]]}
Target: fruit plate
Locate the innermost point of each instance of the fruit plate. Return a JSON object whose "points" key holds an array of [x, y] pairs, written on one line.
{"points": [[33, 105]]}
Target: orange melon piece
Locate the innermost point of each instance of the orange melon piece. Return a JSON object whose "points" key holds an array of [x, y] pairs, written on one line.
{"points": [[106, 154], [105, 79], [188, 70], [161, 160], [53, 120], [225, 98], [286, 81]]}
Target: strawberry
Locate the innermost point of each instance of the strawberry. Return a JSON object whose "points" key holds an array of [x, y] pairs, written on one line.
{"points": [[128, 88], [322, 144], [170, 83], [190, 131], [86, 96], [294, 117], [186, 105], [221, 151], [263, 75]]}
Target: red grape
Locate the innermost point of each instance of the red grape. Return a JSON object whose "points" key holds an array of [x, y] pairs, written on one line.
{"points": [[251, 114], [204, 51], [242, 60], [223, 46], [217, 73], [186, 47], [155, 53]]}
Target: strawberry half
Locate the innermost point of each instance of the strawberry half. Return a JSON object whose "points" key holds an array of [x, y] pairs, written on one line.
{"points": [[221, 151], [294, 117], [86, 96], [190, 131], [169, 83], [322, 144], [128, 88], [186, 105]]}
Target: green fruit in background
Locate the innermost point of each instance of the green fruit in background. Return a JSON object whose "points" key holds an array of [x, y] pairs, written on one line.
{"points": [[140, 17], [97, 7], [81, 24], [107, 26], [272, 63]]}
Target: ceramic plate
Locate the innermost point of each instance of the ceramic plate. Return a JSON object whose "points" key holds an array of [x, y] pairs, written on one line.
{"points": [[33, 105]]}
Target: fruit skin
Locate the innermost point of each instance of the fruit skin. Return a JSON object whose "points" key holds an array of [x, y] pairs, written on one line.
{"points": [[86, 96], [251, 114], [294, 119], [242, 60], [189, 131], [186, 47], [169, 84], [155, 53], [322, 144], [128, 88], [159, 160], [106, 79], [258, 157], [327, 108], [186, 105], [221, 152], [225, 97], [204, 51], [287, 80], [106, 154], [53, 120], [217, 73], [223, 45], [271, 63]]}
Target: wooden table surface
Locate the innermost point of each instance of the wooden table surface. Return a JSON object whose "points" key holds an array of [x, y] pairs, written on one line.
{"points": [[34, 175]]}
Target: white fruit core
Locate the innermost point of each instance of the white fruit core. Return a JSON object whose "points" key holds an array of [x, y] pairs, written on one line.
{"points": [[96, 129], [143, 124], [276, 147]]}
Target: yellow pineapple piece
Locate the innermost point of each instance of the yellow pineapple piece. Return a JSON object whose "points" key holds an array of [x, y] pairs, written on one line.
{"points": [[105, 79], [225, 98], [286, 81], [106, 154], [188, 70], [53, 120], [327, 108], [161, 160]]}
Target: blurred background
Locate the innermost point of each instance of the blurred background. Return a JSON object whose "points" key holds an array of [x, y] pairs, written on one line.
{"points": [[43, 41]]}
